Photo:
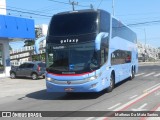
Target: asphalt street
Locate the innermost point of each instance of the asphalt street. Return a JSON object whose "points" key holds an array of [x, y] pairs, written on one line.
{"points": [[140, 94]]}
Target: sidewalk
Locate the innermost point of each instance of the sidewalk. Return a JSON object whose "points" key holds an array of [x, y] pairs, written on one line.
{"points": [[149, 63], [12, 87]]}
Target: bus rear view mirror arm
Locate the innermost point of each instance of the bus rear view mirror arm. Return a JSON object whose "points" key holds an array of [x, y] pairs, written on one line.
{"points": [[99, 38]]}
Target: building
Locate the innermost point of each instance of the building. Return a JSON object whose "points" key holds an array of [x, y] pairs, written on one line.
{"points": [[147, 52], [19, 56], [41, 30], [25, 54], [11, 29]]}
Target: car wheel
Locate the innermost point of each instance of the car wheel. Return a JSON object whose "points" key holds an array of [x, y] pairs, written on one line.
{"points": [[34, 76], [13, 75], [111, 86], [43, 76]]}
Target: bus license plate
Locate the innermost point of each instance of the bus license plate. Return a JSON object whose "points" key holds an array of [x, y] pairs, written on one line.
{"points": [[68, 89]]}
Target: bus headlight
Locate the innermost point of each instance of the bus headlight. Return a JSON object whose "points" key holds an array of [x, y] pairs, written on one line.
{"points": [[91, 78], [48, 79]]}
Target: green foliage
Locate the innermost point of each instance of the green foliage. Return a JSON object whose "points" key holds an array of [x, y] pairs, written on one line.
{"points": [[40, 57], [29, 43]]}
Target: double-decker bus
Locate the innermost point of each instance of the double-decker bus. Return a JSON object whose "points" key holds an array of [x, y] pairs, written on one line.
{"points": [[89, 51]]}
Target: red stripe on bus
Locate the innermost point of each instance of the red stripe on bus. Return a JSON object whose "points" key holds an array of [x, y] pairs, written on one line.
{"points": [[70, 74]]}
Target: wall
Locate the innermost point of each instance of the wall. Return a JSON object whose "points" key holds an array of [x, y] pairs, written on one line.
{"points": [[6, 57], [3, 7]]}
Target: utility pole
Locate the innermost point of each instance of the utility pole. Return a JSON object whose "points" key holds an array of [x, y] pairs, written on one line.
{"points": [[73, 3], [113, 7], [91, 6], [145, 35], [145, 52]]}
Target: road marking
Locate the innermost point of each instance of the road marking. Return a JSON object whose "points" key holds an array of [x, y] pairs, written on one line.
{"points": [[151, 88], [157, 93], [114, 106], [149, 74], [157, 108], [90, 118], [98, 118], [134, 101], [102, 118], [140, 108], [139, 74], [127, 105], [157, 75], [133, 96]]}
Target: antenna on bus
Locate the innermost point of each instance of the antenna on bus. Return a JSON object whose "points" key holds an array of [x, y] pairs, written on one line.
{"points": [[73, 3]]}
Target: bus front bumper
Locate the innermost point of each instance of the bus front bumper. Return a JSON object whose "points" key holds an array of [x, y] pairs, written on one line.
{"points": [[93, 86]]}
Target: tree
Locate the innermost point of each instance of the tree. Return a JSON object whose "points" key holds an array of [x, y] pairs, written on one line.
{"points": [[38, 32], [28, 42]]}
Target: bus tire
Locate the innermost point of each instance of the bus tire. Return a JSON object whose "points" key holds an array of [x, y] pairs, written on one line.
{"points": [[112, 83], [132, 74]]}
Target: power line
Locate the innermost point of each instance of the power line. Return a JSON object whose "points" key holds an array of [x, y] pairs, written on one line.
{"points": [[37, 14], [49, 10], [68, 3], [27, 12], [142, 23], [59, 2], [10, 7], [99, 4], [133, 14]]}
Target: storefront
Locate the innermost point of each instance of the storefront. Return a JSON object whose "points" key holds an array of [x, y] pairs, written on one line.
{"points": [[12, 29]]}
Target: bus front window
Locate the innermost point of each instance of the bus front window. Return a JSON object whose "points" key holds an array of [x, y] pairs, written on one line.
{"points": [[73, 24], [75, 58]]}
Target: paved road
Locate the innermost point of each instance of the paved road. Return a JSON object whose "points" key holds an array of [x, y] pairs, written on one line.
{"points": [[140, 94]]}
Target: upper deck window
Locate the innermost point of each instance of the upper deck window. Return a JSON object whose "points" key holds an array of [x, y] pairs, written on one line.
{"points": [[73, 24]]}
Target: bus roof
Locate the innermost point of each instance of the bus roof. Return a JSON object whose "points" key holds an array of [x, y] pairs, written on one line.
{"points": [[80, 11]]}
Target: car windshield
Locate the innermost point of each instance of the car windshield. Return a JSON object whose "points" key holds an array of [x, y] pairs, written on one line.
{"points": [[77, 58]]}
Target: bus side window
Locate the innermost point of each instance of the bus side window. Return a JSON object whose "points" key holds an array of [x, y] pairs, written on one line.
{"points": [[113, 57], [102, 56], [128, 59]]}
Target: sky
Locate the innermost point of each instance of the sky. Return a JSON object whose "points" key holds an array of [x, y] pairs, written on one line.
{"points": [[142, 16]]}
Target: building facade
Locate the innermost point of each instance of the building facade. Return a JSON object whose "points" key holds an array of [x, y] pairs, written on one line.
{"points": [[19, 56], [11, 29]]}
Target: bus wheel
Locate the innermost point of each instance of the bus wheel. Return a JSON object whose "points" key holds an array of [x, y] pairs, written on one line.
{"points": [[111, 86], [132, 74]]}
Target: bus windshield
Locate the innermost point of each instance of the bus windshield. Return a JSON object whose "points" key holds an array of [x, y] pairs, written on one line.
{"points": [[73, 24], [73, 58]]}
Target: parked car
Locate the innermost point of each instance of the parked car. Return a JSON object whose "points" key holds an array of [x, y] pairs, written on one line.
{"points": [[29, 69]]}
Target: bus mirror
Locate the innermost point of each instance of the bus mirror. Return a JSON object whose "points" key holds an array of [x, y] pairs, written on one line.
{"points": [[99, 38]]}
